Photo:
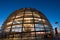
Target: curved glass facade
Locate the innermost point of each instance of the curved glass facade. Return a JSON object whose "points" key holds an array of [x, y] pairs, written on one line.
{"points": [[26, 24]]}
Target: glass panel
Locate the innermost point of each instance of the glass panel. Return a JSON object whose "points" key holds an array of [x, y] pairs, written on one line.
{"points": [[44, 21], [9, 23], [8, 27], [36, 15], [33, 34], [38, 20], [39, 25], [47, 28], [39, 33], [7, 30], [28, 36], [19, 14], [12, 17], [37, 29], [18, 21], [28, 20], [16, 28], [28, 15], [28, 12], [28, 27], [40, 29]]}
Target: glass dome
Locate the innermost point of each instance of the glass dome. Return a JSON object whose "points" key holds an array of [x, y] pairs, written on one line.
{"points": [[29, 23]]}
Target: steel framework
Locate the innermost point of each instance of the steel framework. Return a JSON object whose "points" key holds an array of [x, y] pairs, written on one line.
{"points": [[26, 24]]}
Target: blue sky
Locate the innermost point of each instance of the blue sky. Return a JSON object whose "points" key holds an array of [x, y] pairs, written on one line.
{"points": [[50, 8]]}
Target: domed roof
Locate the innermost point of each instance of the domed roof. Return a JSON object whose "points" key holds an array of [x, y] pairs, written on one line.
{"points": [[26, 19]]}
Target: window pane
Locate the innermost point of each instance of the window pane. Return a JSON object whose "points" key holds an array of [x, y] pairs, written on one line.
{"points": [[28, 14], [28, 27], [17, 28], [18, 21], [38, 20], [47, 28], [14, 26], [39, 25], [9, 23], [20, 14], [28, 18], [40, 29], [7, 30], [36, 15], [28, 21]]}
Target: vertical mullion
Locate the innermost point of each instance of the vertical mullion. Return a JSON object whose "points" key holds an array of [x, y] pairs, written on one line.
{"points": [[22, 25], [15, 26], [11, 26], [34, 24], [45, 32], [44, 28]]}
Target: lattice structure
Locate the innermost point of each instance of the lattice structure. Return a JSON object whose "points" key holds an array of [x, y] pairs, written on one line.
{"points": [[26, 24]]}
